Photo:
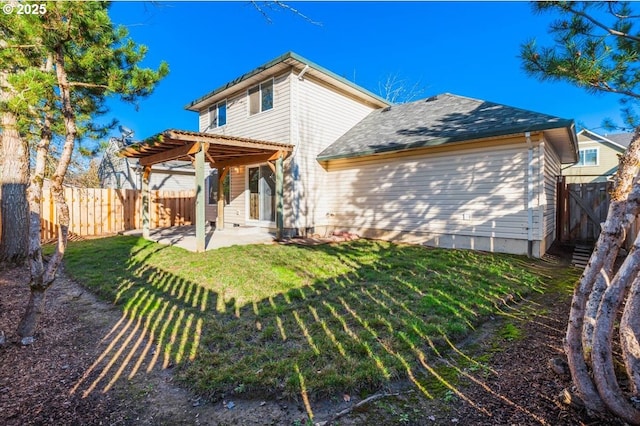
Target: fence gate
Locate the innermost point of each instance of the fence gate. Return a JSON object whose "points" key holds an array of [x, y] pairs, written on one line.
{"points": [[582, 207]]}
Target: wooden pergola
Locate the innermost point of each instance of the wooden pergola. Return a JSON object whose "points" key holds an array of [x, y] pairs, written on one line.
{"points": [[222, 152]]}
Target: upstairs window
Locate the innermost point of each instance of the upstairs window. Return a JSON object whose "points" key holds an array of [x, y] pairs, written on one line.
{"points": [[261, 97], [588, 157], [218, 115]]}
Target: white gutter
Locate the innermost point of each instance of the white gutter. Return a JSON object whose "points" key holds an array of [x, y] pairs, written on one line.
{"points": [[529, 195]]}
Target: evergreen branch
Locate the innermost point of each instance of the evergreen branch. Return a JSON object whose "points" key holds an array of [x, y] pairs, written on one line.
{"points": [[88, 85], [597, 23], [604, 86], [619, 16]]}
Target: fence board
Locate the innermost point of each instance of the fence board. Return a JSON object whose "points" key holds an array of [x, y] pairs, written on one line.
{"points": [[99, 212], [582, 207]]}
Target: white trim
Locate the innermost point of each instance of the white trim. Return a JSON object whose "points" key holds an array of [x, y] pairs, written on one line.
{"points": [[595, 148], [259, 86], [603, 139], [247, 196], [214, 107]]}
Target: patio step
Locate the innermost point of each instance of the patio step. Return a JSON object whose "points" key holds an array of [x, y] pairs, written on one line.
{"points": [[242, 230], [581, 255]]}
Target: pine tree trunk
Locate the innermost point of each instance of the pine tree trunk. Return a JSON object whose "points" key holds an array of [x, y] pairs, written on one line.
{"points": [[624, 199], [14, 155], [591, 309], [602, 356], [629, 333], [39, 286], [35, 306], [608, 245]]}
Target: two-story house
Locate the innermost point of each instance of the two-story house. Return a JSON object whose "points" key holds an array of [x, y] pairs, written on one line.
{"points": [[598, 156], [302, 149]]}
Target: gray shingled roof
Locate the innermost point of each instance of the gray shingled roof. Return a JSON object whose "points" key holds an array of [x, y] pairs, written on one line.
{"points": [[623, 139], [436, 121]]}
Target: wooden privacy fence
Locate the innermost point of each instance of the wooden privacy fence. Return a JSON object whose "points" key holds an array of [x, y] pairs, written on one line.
{"points": [[582, 207], [97, 212]]}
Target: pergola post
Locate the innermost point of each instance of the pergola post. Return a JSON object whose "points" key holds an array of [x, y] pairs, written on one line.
{"points": [[222, 152], [222, 173], [200, 198], [144, 206], [279, 196]]}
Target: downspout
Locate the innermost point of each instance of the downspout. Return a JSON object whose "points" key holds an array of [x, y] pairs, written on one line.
{"points": [[304, 70], [295, 139], [529, 195]]}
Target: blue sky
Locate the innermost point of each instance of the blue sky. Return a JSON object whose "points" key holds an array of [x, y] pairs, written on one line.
{"points": [[466, 48]]}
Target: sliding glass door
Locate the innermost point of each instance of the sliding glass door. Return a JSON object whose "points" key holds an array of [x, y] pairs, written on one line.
{"points": [[262, 194]]}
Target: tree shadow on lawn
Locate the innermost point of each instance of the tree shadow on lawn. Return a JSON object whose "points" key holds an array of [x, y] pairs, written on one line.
{"points": [[393, 316]]}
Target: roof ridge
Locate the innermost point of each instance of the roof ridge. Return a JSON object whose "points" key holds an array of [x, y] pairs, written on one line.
{"points": [[279, 59]]}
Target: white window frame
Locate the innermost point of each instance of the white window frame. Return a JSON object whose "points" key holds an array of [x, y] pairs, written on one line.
{"points": [[247, 196], [214, 115], [596, 149], [259, 86]]}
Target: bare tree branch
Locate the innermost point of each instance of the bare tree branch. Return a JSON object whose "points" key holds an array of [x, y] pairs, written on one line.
{"points": [[260, 7]]}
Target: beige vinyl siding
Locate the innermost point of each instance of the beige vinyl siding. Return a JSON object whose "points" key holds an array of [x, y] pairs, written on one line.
{"points": [[271, 125], [171, 181], [234, 212], [471, 193], [308, 114], [607, 162], [320, 115], [203, 120]]}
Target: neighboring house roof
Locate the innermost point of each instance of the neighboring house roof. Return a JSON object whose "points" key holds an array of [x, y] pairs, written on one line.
{"points": [[622, 139], [445, 119], [279, 64], [618, 140]]}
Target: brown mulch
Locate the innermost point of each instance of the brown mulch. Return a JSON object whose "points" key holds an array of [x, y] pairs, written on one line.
{"points": [[521, 388], [515, 387], [35, 380]]}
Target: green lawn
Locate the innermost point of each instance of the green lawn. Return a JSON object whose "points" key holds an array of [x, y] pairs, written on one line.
{"points": [[311, 321]]}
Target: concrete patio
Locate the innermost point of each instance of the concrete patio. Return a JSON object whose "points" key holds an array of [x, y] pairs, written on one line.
{"points": [[185, 236]]}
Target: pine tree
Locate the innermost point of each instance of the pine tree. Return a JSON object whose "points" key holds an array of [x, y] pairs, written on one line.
{"points": [[596, 48], [61, 67]]}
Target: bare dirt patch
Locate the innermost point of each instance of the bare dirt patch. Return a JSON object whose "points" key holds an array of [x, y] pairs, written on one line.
{"points": [[71, 375]]}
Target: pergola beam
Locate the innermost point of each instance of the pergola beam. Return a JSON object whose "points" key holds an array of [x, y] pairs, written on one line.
{"points": [[229, 141], [247, 159], [171, 154]]}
